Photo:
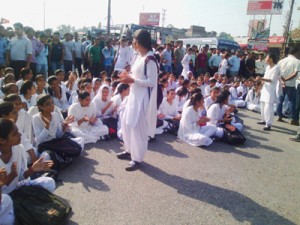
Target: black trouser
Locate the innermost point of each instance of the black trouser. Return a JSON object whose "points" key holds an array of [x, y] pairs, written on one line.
{"points": [[33, 70], [297, 102], [67, 67], [96, 69], [17, 66], [78, 62]]}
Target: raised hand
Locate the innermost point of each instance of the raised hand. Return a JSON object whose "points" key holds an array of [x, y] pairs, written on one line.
{"points": [[41, 165], [2, 176]]}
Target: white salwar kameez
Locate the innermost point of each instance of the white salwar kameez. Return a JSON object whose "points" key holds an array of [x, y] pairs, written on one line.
{"points": [[139, 119], [25, 129], [234, 99], [252, 101], [29, 102], [90, 133], [17, 157], [193, 134], [7, 216], [99, 104], [216, 113], [43, 134], [268, 94]]}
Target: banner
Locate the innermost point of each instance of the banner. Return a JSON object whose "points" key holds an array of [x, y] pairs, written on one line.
{"points": [[149, 19], [265, 7]]}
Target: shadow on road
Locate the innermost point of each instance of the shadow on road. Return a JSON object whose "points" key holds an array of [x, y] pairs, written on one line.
{"points": [[161, 145], [83, 171], [242, 208], [226, 148]]}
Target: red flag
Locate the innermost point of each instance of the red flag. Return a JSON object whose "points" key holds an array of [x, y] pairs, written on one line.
{"points": [[4, 21]]}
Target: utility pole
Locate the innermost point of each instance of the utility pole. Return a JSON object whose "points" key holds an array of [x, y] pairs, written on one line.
{"points": [[44, 15], [163, 19], [287, 29], [108, 17]]}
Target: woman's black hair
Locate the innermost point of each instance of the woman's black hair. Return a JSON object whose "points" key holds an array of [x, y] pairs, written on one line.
{"points": [[5, 89], [195, 98], [115, 84], [223, 96], [27, 85], [182, 91], [24, 72], [195, 91], [42, 99], [273, 57], [83, 95], [143, 37], [6, 108], [8, 76], [12, 98], [121, 88], [51, 79], [164, 80], [39, 77], [6, 126], [168, 91]]}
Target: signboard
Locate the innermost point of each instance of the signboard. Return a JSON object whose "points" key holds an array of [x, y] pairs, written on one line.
{"points": [[258, 45], [265, 7], [149, 19]]}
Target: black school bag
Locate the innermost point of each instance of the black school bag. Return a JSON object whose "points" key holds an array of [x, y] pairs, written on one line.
{"points": [[233, 137], [34, 205]]}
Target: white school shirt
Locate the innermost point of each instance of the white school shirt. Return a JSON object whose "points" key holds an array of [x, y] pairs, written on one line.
{"points": [[17, 156], [169, 110], [43, 134]]}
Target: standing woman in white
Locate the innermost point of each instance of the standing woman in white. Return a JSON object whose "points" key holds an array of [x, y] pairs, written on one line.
{"points": [[268, 92], [139, 117]]}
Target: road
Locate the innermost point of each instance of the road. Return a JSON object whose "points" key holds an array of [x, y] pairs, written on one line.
{"points": [[256, 183]]}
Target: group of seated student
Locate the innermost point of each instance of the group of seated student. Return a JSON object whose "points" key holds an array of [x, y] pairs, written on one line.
{"points": [[33, 112], [198, 108], [86, 110]]}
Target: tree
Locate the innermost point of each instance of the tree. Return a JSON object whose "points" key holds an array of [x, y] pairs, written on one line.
{"points": [[225, 35], [66, 28]]}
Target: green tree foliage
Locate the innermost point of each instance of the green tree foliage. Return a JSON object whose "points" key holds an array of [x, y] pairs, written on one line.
{"points": [[225, 35]]}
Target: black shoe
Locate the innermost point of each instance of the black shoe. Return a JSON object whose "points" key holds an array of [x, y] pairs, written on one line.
{"points": [[261, 122], [152, 139], [267, 128], [133, 166], [124, 155]]}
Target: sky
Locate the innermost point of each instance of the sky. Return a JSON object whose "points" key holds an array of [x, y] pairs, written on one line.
{"points": [[215, 15]]}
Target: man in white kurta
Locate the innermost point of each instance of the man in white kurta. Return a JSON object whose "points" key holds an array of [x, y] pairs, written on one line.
{"points": [[139, 119]]}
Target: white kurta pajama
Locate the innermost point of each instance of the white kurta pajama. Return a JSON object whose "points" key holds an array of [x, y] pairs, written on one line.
{"points": [[193, 134], [139, 119], [268, 94], [90, 133]]}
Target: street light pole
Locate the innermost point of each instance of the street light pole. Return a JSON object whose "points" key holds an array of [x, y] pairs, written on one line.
{"points": [[44, 15], [108, 17], [287, 29]]}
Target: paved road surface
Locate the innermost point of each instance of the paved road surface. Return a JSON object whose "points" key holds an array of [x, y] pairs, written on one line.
{"points": [[257, 183]]}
